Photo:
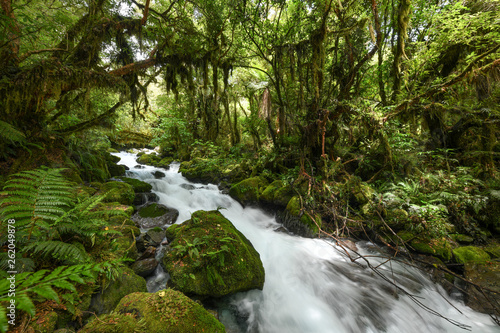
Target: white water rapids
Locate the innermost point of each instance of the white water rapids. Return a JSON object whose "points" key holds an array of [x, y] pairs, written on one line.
{"points": [[310, 286]]}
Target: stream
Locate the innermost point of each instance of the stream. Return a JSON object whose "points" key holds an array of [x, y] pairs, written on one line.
{"points": [[311, 285]]}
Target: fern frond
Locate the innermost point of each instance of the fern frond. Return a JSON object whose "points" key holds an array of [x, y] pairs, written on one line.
{"points": [[56, 249], [9, 132]]}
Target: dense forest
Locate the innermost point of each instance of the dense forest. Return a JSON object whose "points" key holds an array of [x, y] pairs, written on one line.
{"points": [[374, 120]]}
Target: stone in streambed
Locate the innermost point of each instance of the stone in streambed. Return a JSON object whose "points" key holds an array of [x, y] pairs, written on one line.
{"points": [[210, 257], [145, 267]]}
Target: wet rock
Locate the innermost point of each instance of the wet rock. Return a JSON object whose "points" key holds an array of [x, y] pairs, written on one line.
{"points": [[158, 174], [154, 237], [188, 187], [487, 276], [138, 166], [155, 215], [150, 252], [144, 198], [248, 191], [210, 257], [297, 222], [145, 267]]}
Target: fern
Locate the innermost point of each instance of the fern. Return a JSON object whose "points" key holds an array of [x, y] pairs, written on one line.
{"points": [[9, 132], [57, 250], [42, 284]]}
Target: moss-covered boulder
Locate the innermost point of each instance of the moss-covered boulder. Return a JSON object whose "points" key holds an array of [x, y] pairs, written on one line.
{"points": [[155, 215], [277, 194], [149, 159], [467, 254], [201, 170], [168, 311], [490, 217], [114, 323], [44, 322], [298, 221], [210, 257], [105, 300], [138, 185], [248, 191], [118, 192], [440, 248], [493, 250]]}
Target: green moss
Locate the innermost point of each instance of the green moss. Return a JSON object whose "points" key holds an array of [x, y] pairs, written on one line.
{"points": [[124, 247], [248, 191], [210, 257], [171, 231], [440, 248], [467, 254], [45, 322], [153, 210], [126, 282], [114, 323], [277, 193], [169, 311], [118, 192], [149, 159], [493, 251], [138, 185]]}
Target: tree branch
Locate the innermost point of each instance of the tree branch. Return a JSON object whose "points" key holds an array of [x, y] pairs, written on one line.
{"points": [[89, 123]]}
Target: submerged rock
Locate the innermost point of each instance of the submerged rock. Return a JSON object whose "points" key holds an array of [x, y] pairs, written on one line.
{"points": [[167, 311], [158, 174], [210, 257]]}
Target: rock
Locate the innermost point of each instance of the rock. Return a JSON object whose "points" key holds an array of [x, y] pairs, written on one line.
{"points": [[113, 323], [154, 236], [138, 166], [127, 282], [462, 239], [167, 311], [210, 257], [487, 276], [491, 213], [144, 198], [298, 222], [45, 322], [439, 248], [149, 252], [145, 267], [138, 185], [125, 247], [248, 191], [116, 170], [277, 194], [188, 187], [155, 215], [493, 251], [118, 192], [149, 159], [158, 174], [467, 254]]}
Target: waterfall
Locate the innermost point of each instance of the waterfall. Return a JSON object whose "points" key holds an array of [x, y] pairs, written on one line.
{"points": [[311, 285]]}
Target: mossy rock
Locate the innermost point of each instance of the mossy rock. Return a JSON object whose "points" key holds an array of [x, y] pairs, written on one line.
{"points": [[298, 222], [277, 194], [125, 283], [44, 322], [120, 192], [467, 254], [116, 170], [462, 239], [153, 210], [360, 193], [248, 191], [138, 185], [145, 267], [171, 231], [112, 207], [149, 159], [440, 248], [201, 170], [490, 217], [169, 311], [124, 247], [493, 251], [165, 162], [114, 323], [210, 257]]}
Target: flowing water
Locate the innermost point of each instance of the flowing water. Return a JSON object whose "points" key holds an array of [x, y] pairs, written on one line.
{"points": [[311, 286]]}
